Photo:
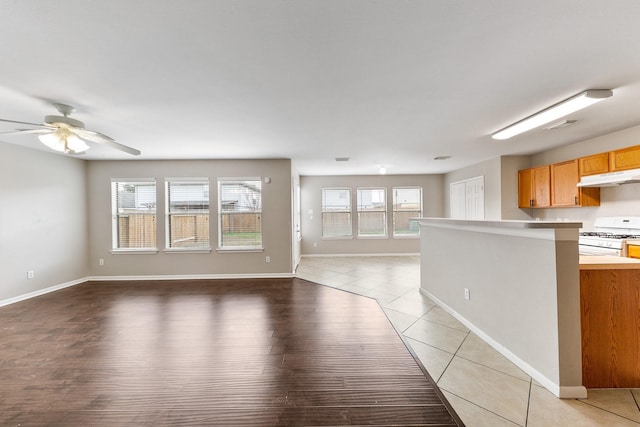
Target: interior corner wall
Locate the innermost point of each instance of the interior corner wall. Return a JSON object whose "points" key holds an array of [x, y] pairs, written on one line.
{"points": [[311, 212], [43, 220], [490, 170], [510, 165], [276, 220]]}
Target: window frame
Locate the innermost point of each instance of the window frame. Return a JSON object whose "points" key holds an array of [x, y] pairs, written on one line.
{"points": [[325, 210], [360, 210], [221, 211], [394, 210], [168, 214], [116, 215]]}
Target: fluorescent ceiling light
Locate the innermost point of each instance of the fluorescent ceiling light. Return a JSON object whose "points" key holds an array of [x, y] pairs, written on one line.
{"points": [[554, 112]]}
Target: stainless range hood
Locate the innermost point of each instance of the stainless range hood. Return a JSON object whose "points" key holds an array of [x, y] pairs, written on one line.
{"points": [[610, 179]]}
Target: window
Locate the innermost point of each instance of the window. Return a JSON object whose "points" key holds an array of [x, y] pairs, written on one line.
{"points": [[240, 213], [372, 212], [187, 210], [407, 204], [336, 213], [133, 208]]}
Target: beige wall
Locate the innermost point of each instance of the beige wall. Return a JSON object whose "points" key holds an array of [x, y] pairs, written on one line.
{"points": [[276, 219], [311, 198], [43, 220]]}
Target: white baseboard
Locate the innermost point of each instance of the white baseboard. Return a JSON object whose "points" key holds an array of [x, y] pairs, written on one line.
{"points": [[149, 277], [194, 277], [564, 392], [42, 292], [359, 255]]}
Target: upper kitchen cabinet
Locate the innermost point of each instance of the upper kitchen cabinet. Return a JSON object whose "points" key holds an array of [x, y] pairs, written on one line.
{"points": [[593, 165], [627, 158], [564, 190], [534, 187]]}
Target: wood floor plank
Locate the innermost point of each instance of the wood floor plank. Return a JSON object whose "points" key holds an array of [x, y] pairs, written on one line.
{"points": [[209, 352]]}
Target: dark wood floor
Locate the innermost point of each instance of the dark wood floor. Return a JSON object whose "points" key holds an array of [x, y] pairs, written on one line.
{"points": [[224, 352]]}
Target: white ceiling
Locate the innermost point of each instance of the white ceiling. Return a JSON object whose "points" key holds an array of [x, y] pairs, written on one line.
{"points": [[384, 82]]}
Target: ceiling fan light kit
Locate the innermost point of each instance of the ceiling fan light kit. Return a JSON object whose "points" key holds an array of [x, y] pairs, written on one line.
{"points": [[555, 112], [67, 135]]}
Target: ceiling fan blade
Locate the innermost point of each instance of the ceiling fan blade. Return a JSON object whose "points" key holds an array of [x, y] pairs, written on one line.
{"points": [[24, 123], [28, 131], [100, 138]]}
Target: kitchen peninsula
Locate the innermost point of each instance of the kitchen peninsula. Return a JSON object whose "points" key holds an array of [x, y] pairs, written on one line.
{"points": [[570, 322], [515, 284]]}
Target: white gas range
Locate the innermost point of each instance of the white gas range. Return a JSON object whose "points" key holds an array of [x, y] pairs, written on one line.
{"points": [[610, 236]]}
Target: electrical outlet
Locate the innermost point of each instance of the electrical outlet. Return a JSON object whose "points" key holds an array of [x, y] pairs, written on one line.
{"points": [[467, 294], [100, 261], [31, 274], [268, 259]]}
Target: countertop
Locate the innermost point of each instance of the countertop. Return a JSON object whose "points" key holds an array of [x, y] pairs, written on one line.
{"points": [[500, 224], [608, 262]]}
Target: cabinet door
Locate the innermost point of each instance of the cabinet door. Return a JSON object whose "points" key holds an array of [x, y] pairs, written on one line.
{"points": [[633, 251], [628, 158], [525, 186], [541, 187], [564, 180], [592, 165]]}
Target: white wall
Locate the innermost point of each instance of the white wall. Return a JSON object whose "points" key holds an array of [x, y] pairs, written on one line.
{"points": [[43, 220], [311, 188], [276, 219]]}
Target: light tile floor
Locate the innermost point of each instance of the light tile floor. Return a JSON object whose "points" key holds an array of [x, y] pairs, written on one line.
{"points": [[484, 387]]}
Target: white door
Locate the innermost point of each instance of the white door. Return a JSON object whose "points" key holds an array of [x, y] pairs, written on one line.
{"points": [[466, 199]]}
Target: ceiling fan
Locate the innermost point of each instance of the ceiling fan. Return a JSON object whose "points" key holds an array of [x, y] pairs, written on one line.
{"points": [[67, 135]]}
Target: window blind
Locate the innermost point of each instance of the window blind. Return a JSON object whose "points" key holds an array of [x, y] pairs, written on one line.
{"points": [[187, 213], [133, 214], [240, 213]]}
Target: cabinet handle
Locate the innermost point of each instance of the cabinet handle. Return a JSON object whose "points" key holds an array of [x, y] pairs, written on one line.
{"points": [[575, 198], [531, 203]]}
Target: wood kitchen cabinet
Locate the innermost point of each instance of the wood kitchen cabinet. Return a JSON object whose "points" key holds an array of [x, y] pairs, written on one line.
{"points": [[627, 158], [610, 327], [593, 165], [534, 187], [564, 190], [633, 251]]}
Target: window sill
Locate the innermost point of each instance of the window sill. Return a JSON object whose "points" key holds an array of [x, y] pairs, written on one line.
{"points": [[407, 236], [187, 251], [238, 249], [373, 237], [144, 251], [337, 238]]}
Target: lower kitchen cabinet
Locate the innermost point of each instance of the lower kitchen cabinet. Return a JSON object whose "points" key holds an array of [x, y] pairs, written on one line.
{"points": [[610, 327]]}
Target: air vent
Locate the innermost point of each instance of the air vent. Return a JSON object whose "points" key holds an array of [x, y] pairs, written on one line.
{"points": [[342, 159], [441, 157], [561, 124]]}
